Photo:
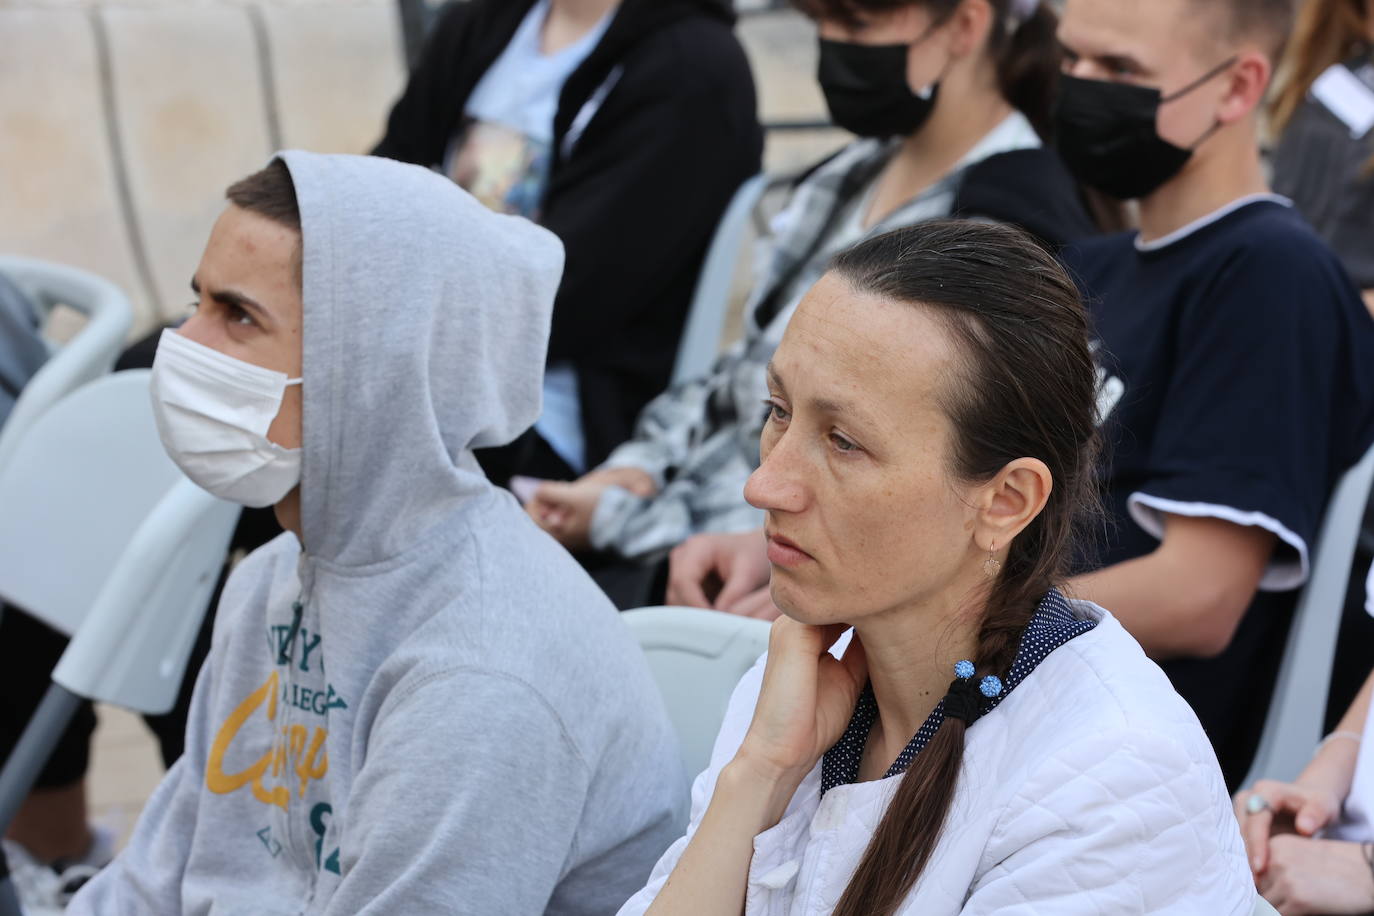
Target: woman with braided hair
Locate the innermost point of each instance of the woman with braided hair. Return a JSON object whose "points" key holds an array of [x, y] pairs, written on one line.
{"points": [[927, 460]]}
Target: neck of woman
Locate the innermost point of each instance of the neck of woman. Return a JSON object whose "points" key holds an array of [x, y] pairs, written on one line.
{"points": [[962, 117], [911, 655]]}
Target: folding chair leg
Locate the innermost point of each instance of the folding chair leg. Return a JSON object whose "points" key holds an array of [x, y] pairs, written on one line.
{"points": [[9, 903], [35, 745], [26, 761]]}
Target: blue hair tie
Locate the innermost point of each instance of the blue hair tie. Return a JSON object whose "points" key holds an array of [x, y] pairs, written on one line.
{"points": [[965, 698]]}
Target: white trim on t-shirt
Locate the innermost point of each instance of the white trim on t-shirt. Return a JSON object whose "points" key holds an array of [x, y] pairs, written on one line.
{"points": [[1179, 235], [1369, 592], [1279, 576]]}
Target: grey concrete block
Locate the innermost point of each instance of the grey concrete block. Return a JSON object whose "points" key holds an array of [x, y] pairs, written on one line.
{"points": [[192, 118], [59, 197], [336, 74]]}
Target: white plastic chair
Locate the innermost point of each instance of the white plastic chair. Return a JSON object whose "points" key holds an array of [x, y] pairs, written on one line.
{"points": [[700, 342], [697, 657], [103, 538], [1293, 725], [89, 355]]}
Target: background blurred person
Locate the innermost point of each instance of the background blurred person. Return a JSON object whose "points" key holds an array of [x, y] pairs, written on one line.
{"points": [[951, 99], [1322, 113], [1311, 841], [1234, 349], [22, 350], [624, 127]]}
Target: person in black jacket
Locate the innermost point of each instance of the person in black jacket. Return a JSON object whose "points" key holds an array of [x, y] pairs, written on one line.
{"points": [[950, 100], [653, 129]]}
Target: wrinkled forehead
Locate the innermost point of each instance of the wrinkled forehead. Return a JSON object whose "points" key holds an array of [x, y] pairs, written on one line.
{"points": [[895, 359]]}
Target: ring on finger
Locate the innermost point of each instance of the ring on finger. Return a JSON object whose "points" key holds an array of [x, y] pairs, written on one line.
{"points": [[1256, 803]]}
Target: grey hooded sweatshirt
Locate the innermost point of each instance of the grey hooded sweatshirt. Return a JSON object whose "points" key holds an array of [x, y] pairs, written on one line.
{"points": [[431, 709]]}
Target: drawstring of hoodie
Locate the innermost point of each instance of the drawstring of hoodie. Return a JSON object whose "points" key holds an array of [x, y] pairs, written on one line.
{"points": [[288, 646]]}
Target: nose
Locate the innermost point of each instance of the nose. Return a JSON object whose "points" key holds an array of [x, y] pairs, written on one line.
{"points": [[779, 484], [198, 328], [1083, 68]]}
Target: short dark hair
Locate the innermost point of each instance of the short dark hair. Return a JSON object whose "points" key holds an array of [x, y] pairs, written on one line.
{"points": [[1266, 21], [270, 192]]}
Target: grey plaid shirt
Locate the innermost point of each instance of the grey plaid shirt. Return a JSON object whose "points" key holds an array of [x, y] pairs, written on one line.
{"points": [[700, 440]]}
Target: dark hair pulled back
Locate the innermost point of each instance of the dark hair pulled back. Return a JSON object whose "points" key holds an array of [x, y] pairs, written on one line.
{"points": [[1027, 389], [1027, 54]]}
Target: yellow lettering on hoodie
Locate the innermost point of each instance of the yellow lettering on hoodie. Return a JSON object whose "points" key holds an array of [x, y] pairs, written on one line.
{"points": [[288, 748]]}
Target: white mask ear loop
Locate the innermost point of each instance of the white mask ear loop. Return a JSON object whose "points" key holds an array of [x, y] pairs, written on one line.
{"points": [[295, 381]]}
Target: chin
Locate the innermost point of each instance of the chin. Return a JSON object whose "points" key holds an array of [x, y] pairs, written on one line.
{"points": [[803, 605]]}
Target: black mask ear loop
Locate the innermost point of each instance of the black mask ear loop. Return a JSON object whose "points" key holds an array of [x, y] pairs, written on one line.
{"points": [[1201, 80]]}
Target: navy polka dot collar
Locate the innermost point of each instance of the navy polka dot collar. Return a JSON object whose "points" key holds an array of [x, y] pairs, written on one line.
{"points": [[1053, 624]]}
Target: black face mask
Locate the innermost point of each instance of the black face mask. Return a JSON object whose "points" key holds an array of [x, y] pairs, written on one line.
{"points": [[866, 89], [1106, 134]]}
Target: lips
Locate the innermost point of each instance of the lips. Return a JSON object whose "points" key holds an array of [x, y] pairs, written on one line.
{"points": [[785, 552]]}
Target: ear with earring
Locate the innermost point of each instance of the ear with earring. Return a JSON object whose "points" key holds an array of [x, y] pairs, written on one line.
{"points": [[992, 566]]}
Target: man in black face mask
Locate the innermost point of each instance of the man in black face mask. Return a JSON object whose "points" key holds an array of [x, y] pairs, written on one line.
{"points": [[1235, 353]]}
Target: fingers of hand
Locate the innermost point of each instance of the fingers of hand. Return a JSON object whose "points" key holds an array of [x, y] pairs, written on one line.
{"points": [[688, 566], [758, 605], [1254, 829], [741, 583], [855, 661]]}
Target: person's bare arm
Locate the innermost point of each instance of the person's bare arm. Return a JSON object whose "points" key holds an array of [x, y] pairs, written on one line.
{"points": [[1369, 300], [1314, 800], [1186, 598]]}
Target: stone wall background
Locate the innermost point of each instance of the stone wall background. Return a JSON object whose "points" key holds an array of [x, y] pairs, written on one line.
{"points": [[122, 122]]}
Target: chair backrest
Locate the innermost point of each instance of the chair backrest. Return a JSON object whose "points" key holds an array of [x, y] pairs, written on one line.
{"points": [[90, 354], [103, 538], [711, 300], [1293, 724], [80, 482], [697, 657], [132, 648], [136, 116]]}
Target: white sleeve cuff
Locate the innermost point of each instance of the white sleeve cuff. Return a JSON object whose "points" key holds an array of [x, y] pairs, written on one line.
{"points": [[1369, 593], [1283, 572]]}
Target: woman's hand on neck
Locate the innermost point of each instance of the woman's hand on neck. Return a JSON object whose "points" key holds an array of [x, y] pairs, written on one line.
{"points": [[570, 20]]}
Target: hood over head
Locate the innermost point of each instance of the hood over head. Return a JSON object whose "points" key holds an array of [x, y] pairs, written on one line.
{"points": [[425, 330]]}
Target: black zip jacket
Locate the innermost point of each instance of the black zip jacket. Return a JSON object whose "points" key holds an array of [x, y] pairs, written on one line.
{"points": [[636, 201]]}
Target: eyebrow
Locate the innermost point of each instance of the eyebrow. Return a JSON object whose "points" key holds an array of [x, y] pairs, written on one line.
{"points": [[229, 297], [831, 406], [1111, 61]]}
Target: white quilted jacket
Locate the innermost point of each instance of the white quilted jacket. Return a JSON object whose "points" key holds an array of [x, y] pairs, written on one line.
{"points": [[1091, 789]]}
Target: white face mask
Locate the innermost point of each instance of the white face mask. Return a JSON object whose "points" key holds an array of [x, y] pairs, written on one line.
{"points": [[212, 412]]}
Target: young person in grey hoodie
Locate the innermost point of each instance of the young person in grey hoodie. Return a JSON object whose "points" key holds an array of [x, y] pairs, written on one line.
{"points": [[416, 701]]}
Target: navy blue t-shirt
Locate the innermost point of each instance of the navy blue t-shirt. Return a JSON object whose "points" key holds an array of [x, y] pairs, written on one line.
{"points": [[1238, 383]]}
